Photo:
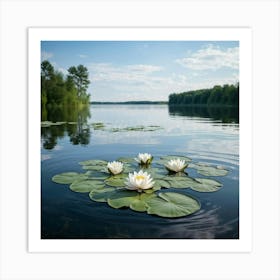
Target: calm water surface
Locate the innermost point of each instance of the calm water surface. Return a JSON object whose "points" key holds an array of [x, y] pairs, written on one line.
{"points": [[205, 136]]}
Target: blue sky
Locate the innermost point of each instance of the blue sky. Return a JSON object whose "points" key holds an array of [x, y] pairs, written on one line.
{"points": [[146, 70]]}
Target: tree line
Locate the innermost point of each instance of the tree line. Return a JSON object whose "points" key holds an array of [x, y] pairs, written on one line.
{"points": [[58, 90], [216, 96]]}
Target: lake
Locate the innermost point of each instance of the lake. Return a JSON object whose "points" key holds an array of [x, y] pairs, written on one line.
{"points": [[108, 132]]}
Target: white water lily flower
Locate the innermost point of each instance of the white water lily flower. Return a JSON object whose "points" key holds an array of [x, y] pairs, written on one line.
{"points": [[115, 167], [144, 158], [176, 165], [139, 181]]}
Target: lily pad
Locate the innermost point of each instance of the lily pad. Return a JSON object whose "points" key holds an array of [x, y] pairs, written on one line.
{"points": [[155, 173], [162, 183], [101, 195], [98, 126], [46, 124], [207, 170], [95, 168], [206, 185], [116, 181], [141, 128], [181, 182], [122, 198], [126, 160], [156, 187], [69, 177], [172, 205], [86, 186], [94, 162], [131, 199]]}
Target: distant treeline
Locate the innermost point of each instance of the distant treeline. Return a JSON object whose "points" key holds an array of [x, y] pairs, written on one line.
{"points": [[131, 102], [216, 96], [58, 90]]}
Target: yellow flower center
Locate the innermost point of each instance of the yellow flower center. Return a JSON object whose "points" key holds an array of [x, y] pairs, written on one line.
{"points": [[140, 177]]}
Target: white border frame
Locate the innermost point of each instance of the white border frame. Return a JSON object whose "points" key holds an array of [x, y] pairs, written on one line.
{"points": [[243, 35], [16, 263]]}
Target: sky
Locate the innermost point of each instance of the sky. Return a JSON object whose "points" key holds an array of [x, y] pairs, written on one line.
{"points": [[146, 70]]}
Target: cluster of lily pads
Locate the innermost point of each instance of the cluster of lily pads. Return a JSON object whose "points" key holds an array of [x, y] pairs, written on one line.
{"points": [[142, 128], [139, 183], [103, 127]]}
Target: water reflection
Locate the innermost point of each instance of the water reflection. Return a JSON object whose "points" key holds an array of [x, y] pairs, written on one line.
{"points": [[223, 114], [205, 135], [74, 124]]}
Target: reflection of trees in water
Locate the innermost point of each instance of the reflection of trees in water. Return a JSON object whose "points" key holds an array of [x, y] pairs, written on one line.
{"points": [[76, 125], [81, 134], [225, 114]]}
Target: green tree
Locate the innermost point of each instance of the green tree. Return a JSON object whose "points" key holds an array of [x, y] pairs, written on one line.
{"points": [[79, 76]]}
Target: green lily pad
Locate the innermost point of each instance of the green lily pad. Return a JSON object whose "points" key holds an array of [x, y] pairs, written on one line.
{"points": [[131, 199], [98, 126], [140, 204], [162, 183], [95, 168], [101, 195], [207, 170], [206, 185], [180, 182], [172, 205], [127, 168], [86, 186], [58, 123], [46, 124], [94, 162], [141, 128], [69, 177], [95, 175], [122, 198], [156, 187], [126, 160], [156, 173], [116, 181]]}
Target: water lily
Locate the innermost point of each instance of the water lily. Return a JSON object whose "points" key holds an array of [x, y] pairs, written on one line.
{"points": [[139, 181], [144, 159], [176, 165], [115, 167]]}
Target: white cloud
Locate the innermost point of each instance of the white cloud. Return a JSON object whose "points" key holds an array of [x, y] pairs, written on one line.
{"points": [[111, 82], [46, 55], [82, 55], [211, 58], [128, 73], [139, 81]]}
